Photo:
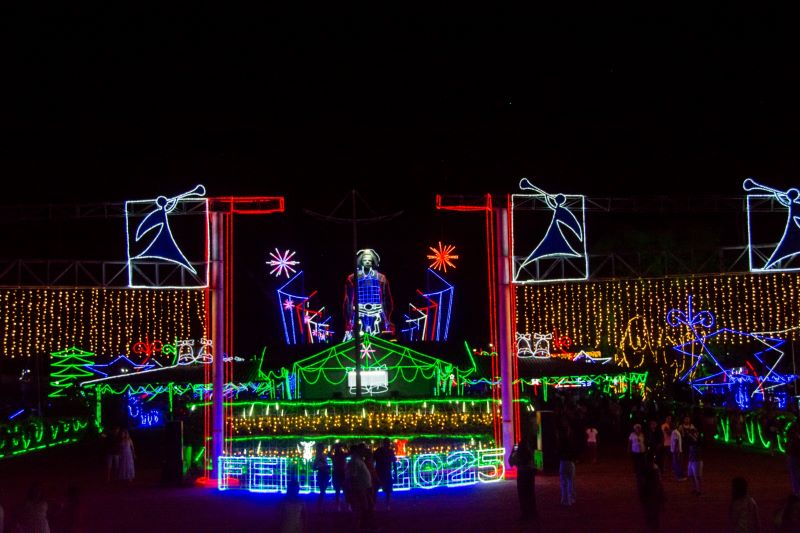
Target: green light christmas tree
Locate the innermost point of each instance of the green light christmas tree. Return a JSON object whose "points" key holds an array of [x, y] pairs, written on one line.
{"points": [[67, 367]]}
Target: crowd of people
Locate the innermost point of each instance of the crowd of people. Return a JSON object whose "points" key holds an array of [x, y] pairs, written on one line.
{"points": [[357, 473], [661, 448]]}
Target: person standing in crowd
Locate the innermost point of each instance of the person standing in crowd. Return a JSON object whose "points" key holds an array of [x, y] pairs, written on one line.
{"points": [[676, 447], [320, 465], [111, 451], [636, 445], [653, 443], [666, 450], [386, 468], [339, 464], [358, 485], [793, 457], [695, 464], [651, 496], [787, 518], [743, 510], [566, 468], [292, 509], [591, 443], [127, 456], [522, 458], [32, 516], [72, 517]]}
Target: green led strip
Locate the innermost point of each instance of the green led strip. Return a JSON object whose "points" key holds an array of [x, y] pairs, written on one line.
{"points": [[347, 436], [365, 402]]}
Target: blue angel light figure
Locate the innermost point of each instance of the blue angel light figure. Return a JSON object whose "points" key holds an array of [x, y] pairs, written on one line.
{"points": [[789, 245], [554, 243], [163, 245]]}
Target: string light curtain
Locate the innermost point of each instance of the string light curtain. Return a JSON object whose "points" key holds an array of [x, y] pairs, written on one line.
{"points": [[102, 321], [627, 317]]}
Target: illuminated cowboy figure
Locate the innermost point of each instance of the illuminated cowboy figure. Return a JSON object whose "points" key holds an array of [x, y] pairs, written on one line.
{"points": [[374, 298]]}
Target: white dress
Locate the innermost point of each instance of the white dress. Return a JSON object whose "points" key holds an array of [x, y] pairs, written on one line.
{"points": [[126, 469]]}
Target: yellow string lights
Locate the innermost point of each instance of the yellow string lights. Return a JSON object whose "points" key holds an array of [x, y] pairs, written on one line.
{"points": [[102, 321], [627, 317], [367, 423]]}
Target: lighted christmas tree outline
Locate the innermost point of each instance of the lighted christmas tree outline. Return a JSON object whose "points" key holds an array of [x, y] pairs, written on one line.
{"points": [[71, 364], [697, 348]]}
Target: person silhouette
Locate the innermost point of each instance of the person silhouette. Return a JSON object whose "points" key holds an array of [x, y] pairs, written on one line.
{"points": [[375, 302]]}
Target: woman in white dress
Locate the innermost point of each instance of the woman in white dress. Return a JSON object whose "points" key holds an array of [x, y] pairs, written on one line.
{"points": [[126, 468]]}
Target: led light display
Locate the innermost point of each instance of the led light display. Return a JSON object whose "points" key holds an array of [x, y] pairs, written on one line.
{"points": [[68, 368], [625, 318], [103, 321], [442, 257], [120, 365], [154, 240], [760, 369], [430, 320], [301, 323], [282, 263], [35, 434], [423, 471], [403, 366], [781, 255], [375, 304], [560, 254]]}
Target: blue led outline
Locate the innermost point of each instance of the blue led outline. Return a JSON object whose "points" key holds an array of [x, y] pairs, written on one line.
{"points": [[298, 300], [128, 249], [448, 289], [136, 367], [676, 318], [516, 270], [486, 467]]}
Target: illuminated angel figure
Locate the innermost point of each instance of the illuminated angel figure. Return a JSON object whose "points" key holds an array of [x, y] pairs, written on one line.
{"points": [[789, 245], [163, 245], [554, 243]]}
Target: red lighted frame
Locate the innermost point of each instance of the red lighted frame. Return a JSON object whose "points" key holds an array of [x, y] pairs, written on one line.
{"points": [[512, 298], [488, 209], [229, 206]]}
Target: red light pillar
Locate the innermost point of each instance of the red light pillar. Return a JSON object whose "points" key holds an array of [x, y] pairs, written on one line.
{"points": [[217, 290]]}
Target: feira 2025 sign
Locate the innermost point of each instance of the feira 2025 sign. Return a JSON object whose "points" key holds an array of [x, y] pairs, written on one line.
{"points": [[424, 471]]}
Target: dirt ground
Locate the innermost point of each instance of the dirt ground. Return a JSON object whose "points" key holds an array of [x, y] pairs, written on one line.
{"points": [[606, 498]]}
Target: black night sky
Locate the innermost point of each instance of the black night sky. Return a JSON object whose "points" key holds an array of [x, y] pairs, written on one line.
{"points": [[123, 103]]}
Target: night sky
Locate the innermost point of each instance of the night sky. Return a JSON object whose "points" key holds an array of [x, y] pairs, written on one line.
{"points": [[109, 104]]}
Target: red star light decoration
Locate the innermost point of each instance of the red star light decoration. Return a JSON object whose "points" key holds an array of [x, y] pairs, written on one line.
{"points": [[282, 263], [442, 256]]}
